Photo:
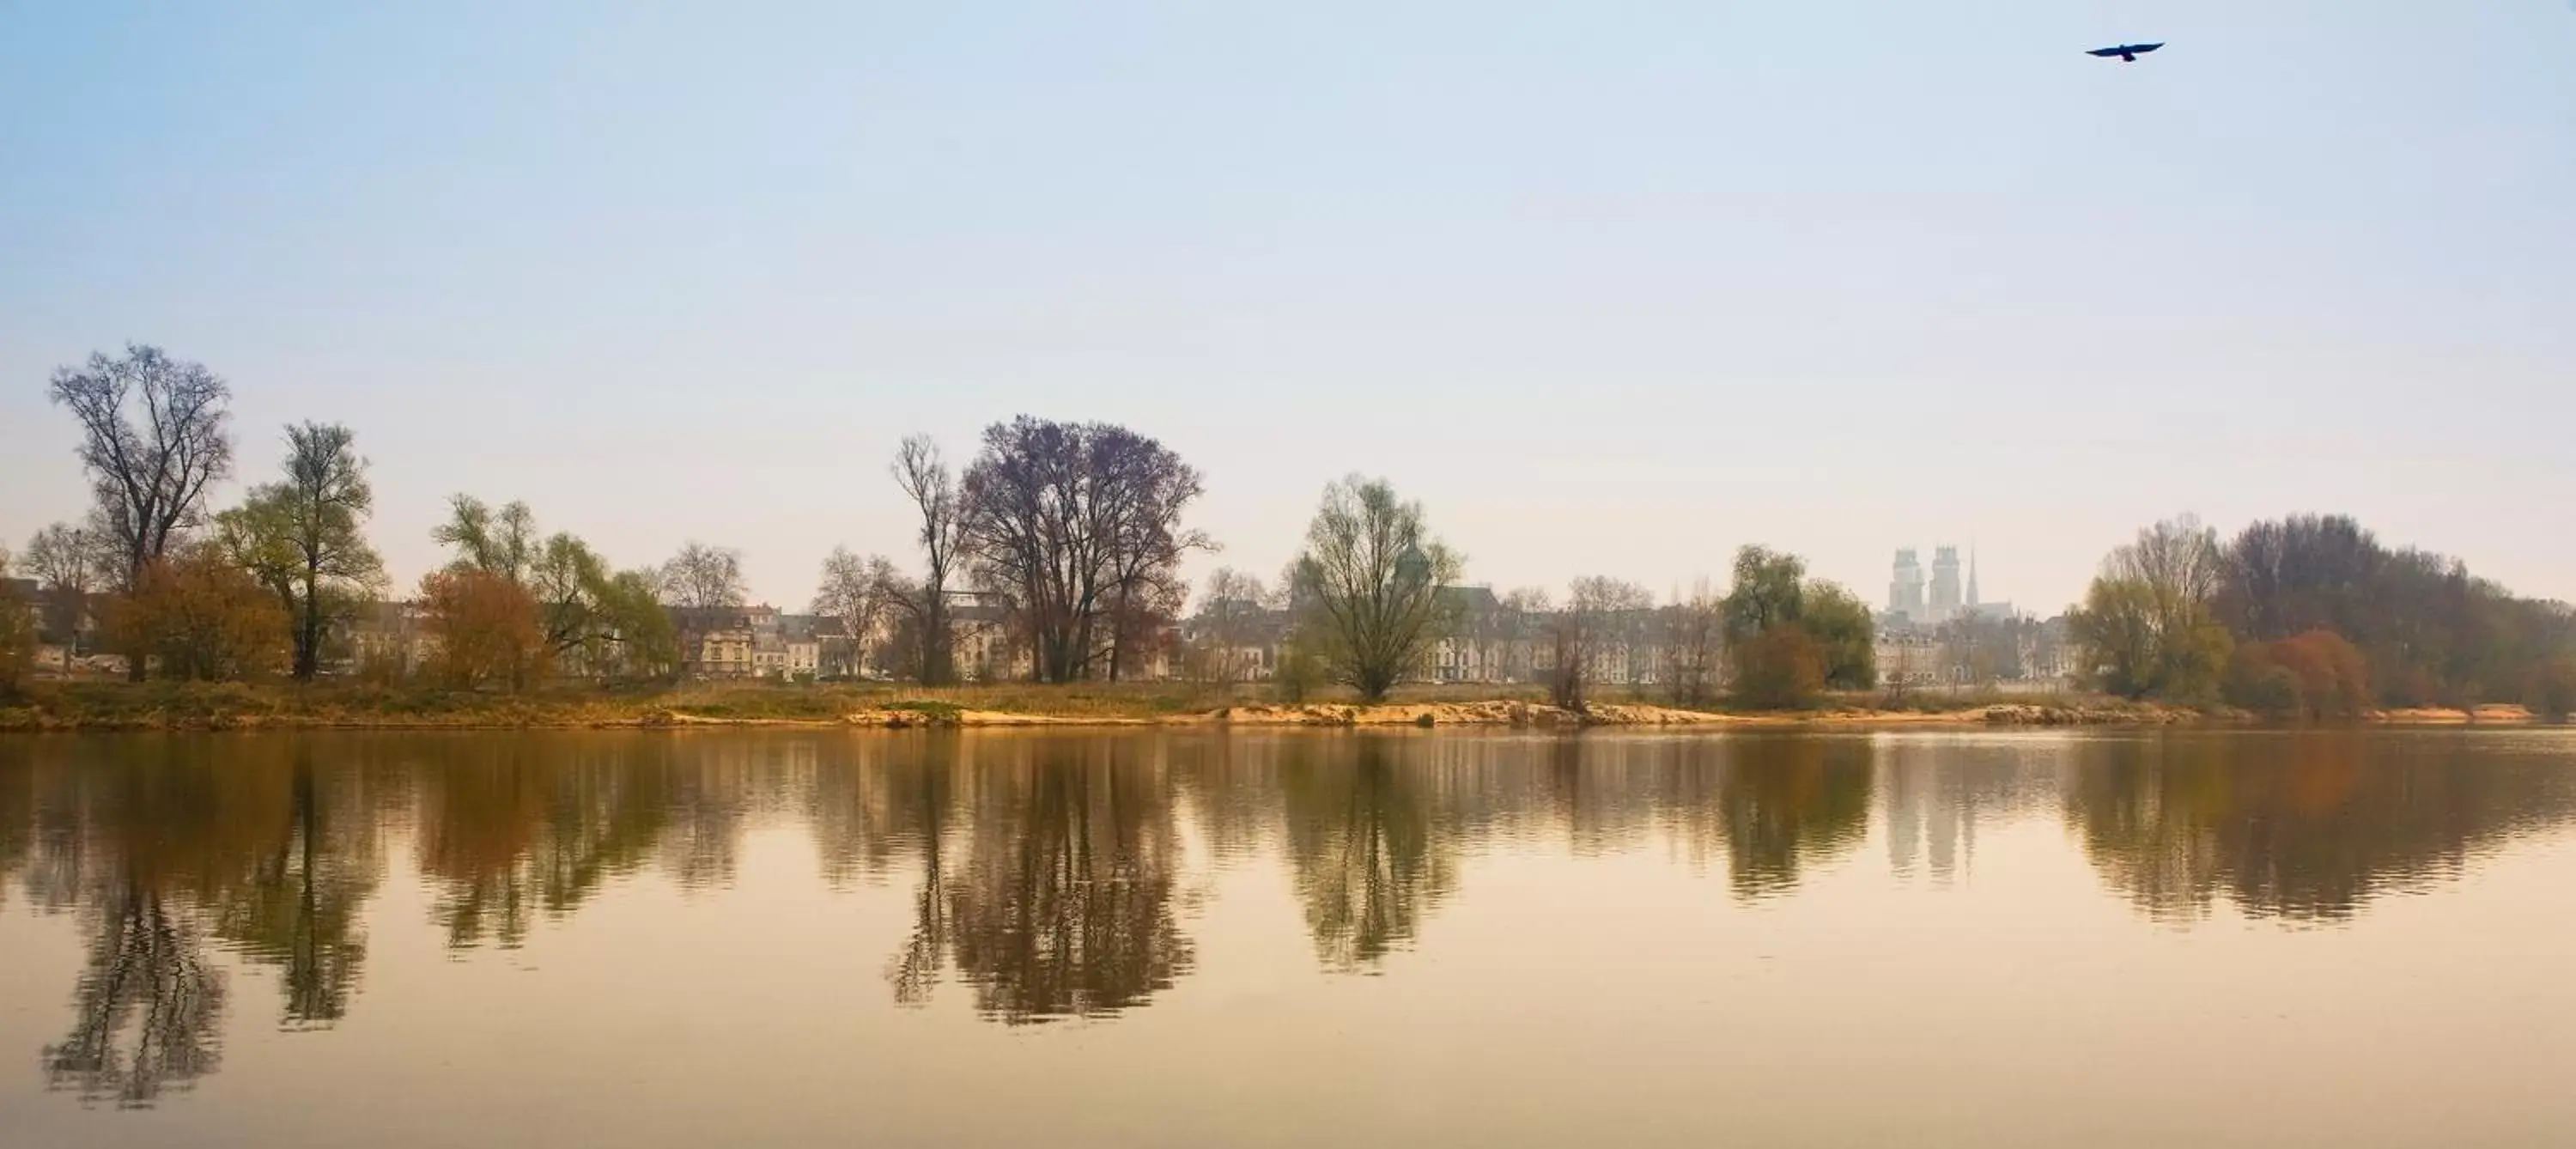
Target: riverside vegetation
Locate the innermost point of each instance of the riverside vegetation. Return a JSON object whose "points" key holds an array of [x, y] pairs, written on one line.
{"points": [[1077, 531]]}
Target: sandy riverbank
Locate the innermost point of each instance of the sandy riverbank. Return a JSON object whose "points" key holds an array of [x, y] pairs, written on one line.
{"points": [[341, 706]]}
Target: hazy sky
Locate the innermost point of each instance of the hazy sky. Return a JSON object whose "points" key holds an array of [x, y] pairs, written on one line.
{"points": [[1613, 288]]}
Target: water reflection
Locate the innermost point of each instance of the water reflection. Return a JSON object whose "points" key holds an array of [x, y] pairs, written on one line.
{"points": [[1369, 849], [1053, 876], [2307, 827], [1062, 901]]}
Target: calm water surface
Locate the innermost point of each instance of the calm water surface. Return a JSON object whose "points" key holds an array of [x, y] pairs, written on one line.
{"points": [[1188, 939]]}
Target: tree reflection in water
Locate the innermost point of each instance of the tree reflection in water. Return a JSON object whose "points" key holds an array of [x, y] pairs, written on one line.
{"points": [[1063, 902], [1050, 871], [1362, 844], [301, 904], [2308, 826], [515, 828]]}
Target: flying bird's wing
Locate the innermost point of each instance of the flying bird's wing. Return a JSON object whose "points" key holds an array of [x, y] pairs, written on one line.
{"points": [[2105, 53], [2143, 49]]}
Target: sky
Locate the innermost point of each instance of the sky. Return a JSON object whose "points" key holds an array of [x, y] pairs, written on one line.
{"points": [[1612, 288]]}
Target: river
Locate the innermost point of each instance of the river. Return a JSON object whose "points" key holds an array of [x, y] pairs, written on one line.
{"points": [[1195, 938]]}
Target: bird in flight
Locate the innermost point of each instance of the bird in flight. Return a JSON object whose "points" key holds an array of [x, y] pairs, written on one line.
{"points": [[2128, 53]]}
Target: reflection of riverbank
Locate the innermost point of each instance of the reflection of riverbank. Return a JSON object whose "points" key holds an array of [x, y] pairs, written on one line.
{"points": [[1053, 873]]}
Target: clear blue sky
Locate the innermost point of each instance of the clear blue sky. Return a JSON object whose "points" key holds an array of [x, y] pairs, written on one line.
{"points": [[1612, 287]]}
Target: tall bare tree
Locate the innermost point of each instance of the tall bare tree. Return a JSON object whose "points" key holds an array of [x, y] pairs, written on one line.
{"points": [[925, 478], [303, 536], [1590, 635], [1149, 489], [859, 591], [152, 440], [1370, 577], [703, 576], [1053, 518]]}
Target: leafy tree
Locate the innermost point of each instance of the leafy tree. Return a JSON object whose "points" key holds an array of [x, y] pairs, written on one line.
{"points": [[1779, 668], [2138, 648], [1845, 634], [1301, 670], [2146, 626], [1370, 576], [302, 538], [633, 636], [590, 619], [1772, 593], [569, 582], [2433, 633], [2552, 693], [1770, 590], [202, 618], [2314, 675], [504, 543], [485, 628]]}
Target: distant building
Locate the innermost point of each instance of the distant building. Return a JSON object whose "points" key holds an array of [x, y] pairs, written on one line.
{"points": [[1911, 604], [390, 641], [1905, 588]]}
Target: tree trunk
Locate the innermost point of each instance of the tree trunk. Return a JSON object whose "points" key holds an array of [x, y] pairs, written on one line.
{"points": [[308, 635], [134, 659]]}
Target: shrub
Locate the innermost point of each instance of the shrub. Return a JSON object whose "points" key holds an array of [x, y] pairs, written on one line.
{"points": [[1300, 671], [17, 640], [1781, 668], [2314, 675], [2552, 694], [201, 618]]}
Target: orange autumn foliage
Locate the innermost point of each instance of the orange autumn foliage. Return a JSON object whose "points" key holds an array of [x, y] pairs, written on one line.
{"points": [[193, 615], [485, 629], [2318, 674]]}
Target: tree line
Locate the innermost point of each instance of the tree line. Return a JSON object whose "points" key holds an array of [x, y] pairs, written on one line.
{"points": [[1067, 539], [2311, 615]]}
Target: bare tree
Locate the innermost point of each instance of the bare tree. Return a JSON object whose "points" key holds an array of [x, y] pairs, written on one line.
{"points": [[69, 563], [1695, 646], [1590, 636], [1228, 624], [1054, 515], [860, 591], [925, 478], [702, 576], [1149, 488], [1371, 576], [2178, 558], [152, 441], [1524, 613]]}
